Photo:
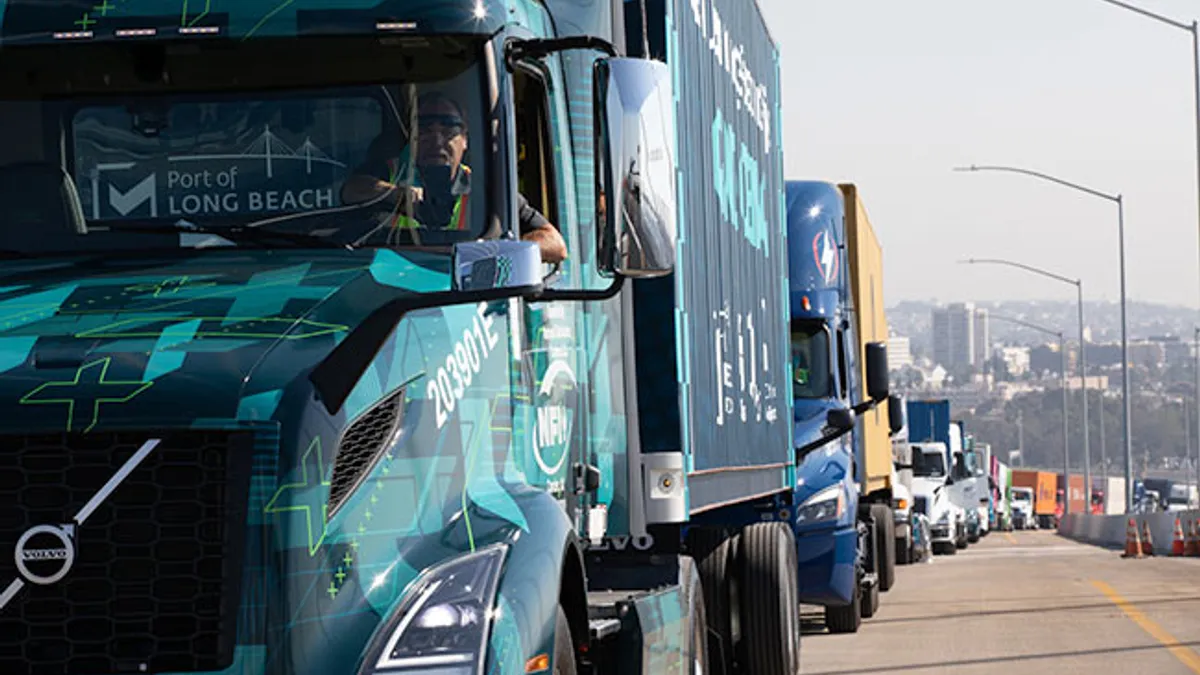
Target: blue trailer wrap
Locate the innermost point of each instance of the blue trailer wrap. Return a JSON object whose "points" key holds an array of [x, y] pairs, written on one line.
{"points": [[710, 376]]}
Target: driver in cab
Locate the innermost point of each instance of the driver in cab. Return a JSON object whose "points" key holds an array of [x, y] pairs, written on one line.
{"points": [[439, 195]]}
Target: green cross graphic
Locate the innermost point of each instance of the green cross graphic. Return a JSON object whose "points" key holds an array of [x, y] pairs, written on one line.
{"points": [[169, 286], [332, 590], [85, 21], [103, 7], [306, 496], [341, 575], [90, 387]]}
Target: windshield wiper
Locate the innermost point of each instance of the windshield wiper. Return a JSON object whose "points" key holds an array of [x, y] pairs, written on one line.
{"points": [[237, 234]]}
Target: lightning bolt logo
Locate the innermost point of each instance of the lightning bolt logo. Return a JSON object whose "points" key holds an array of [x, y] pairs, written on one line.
{"points": [[825, 255]]}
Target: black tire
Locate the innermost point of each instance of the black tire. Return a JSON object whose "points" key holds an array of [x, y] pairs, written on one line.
{"points": [[846, 618], [564, 651], [871, 602], [715, 552], [698, 642], [903, 551], [770, 604], [885, 535]]}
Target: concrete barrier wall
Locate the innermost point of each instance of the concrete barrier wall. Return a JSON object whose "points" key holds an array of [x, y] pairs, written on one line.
{"points": [[1110, 530]]}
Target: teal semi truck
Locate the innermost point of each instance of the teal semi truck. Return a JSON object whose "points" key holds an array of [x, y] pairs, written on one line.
{"points": [[254, 425]]}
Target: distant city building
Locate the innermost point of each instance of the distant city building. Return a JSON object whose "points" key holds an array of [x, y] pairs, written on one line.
{"points": [[954, 345], [1146, 353], [1016, 359], [1094, 382], [982, 338], [899, 352]]}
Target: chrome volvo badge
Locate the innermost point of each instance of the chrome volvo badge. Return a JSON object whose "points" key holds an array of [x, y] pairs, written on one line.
{"points": [[45, 553]]}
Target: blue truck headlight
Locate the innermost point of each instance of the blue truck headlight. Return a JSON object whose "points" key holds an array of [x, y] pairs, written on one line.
{"points": [[827, 504], [445, 620]]}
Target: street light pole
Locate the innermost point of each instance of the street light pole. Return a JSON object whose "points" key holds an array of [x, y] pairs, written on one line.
{"points": [[1125, 385], [1062, 350], [1078, 284], [1194, 29]]}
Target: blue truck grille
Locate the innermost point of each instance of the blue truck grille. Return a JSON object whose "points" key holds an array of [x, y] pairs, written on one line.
{"points": [[919, 505], [156, 579]]}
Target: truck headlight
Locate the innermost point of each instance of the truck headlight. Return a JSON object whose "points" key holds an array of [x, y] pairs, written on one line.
{"points": [[445, 620], [827, 504]]}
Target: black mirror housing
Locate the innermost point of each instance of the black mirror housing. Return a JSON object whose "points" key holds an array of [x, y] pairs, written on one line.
{"points": [[840, 419], [895, 413], [877, 371]]}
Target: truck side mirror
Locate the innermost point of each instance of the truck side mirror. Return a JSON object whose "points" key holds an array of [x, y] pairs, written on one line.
{"points": [[635, 172], [895, 414], [877, 371], [496, 263], [840, 419]]}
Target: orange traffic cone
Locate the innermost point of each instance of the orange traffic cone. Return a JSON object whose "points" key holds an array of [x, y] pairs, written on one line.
{"points": [[1178, 544], [1190, 549], [1133, 543], [1147, 540]]}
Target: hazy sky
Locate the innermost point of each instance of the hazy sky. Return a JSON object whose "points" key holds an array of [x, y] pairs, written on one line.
{"points": [[891, 94]]}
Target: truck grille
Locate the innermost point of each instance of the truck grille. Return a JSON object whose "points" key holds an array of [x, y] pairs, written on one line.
{"points": [[919, 505], [156, 579]]}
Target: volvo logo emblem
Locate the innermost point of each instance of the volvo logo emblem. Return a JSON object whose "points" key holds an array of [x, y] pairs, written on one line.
{"points": [[46, 553]]}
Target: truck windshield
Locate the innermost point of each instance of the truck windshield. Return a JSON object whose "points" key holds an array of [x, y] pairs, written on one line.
{"points": [[810, 361], [929, 464], [305, 162]]}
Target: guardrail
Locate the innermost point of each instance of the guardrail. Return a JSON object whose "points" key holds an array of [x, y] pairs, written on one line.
{"points": [[1109, 531]]}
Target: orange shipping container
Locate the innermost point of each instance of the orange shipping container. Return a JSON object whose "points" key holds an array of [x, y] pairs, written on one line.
{"points": [[1044, 485]]}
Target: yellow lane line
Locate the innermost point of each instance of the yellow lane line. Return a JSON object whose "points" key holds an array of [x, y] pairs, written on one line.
{"points": [[1186, 656]]}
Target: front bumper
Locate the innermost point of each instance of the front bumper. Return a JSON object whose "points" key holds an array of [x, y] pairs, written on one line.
{"points": [[826, 565], [942, 533]]}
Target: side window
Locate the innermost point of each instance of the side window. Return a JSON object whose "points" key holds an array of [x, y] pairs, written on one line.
{"points": [[843, 385], [535, 154]]}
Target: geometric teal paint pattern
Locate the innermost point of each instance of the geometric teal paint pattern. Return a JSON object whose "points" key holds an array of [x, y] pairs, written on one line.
{"points": [[306, 497], [163, 361], [90, 387]]}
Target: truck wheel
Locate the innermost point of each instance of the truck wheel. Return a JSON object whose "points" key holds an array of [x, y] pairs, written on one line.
{"points": [[715, 553], [698, 643], [770, 604], [564, 652], [904, 551], [885, 536], [870, 603], [846, 618]]}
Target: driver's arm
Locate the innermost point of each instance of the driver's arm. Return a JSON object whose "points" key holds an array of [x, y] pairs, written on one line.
{"points": [[535, 228]]}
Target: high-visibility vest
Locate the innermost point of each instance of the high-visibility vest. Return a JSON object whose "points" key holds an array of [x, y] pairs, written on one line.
{"points": [[458, 218]]}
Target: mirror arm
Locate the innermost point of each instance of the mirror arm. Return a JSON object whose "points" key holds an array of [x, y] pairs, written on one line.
{"points": [[517, 50], [551, 295], [823, 440]]}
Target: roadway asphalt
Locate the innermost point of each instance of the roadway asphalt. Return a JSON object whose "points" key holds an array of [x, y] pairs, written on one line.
{"points": [[1023, 602]]}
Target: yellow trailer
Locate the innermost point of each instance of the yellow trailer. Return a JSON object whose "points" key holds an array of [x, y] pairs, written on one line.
{"points": [[866, 288]]}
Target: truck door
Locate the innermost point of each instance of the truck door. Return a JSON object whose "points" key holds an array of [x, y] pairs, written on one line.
{"points": [[556, 434]]}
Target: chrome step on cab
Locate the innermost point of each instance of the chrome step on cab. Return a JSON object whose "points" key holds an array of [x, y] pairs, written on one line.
{"points": [[603, 628]]}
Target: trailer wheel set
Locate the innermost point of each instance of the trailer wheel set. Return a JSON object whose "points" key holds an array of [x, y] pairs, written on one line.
{"points": [[747, 578]]}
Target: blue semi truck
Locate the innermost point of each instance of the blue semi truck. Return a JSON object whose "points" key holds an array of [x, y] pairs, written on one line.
{"points": [[845, 530], [255, 425]]}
